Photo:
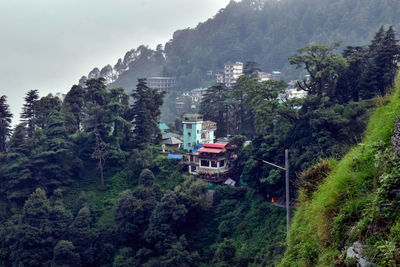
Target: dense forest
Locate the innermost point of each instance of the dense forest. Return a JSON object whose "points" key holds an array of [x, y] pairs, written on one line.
{"points": [[264, 31], [83, 182]]}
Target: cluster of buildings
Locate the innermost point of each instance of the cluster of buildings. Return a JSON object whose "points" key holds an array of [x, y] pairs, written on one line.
{"points": [[232, 72], [208, 158]]}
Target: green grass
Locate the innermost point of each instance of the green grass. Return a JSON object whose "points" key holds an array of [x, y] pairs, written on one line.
{"points": [[325, 224]]}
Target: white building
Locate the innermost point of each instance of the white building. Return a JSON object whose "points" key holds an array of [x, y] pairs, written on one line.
{"points": [[232, 73]]}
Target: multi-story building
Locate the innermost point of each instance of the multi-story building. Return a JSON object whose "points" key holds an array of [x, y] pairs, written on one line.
{"points": [[232, 73], [196, 131], [263, 76], [219, 77], [211, 162], [162, 83]]}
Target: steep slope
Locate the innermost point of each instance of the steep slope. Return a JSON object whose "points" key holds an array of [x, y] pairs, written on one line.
{"points": [[265, 31], [355, 213]]}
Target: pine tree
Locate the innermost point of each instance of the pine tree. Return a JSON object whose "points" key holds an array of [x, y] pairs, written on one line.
{"points": [[44, 106], [65, 255], [5, 123], [54, 165], [30, 240], [214, 107], [146, 113], [81, 234], [29, 110], [73, 108]]}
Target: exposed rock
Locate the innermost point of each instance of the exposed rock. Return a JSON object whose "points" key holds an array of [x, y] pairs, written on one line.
{"points": [[356, 252], [82, 80], [94, 74], [396, 137]]}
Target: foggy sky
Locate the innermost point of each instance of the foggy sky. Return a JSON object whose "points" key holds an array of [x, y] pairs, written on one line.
{"points": [[49, 44]]}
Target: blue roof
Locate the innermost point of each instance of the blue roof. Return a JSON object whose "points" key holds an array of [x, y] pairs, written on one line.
{"points": [[172, 156], [197, 147], [163, 126]]}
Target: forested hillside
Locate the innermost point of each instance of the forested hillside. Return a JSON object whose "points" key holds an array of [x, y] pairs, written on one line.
{"points": [[264, 31], [84, 180]]}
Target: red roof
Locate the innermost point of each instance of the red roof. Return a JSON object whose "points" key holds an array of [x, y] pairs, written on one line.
{"points": [[210, 150], [214, 145]]}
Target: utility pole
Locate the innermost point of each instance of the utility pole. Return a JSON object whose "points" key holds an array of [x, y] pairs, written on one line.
{"points": [[287, 191], [286, 169]]}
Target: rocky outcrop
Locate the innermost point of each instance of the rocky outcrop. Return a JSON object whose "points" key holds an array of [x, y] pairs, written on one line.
{"points": [[396, 137], [356, 252], [111, 74]]}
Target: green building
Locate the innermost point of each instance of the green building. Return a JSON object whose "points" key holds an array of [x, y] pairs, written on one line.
{"points": [[196, 131]]}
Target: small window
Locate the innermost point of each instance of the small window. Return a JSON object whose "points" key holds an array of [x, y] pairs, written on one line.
{"points": [[189, 134], [198, 131], [222, 163], [214, 164], [188, 126], [189, 145]]}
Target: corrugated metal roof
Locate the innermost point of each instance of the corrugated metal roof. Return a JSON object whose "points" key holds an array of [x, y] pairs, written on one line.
{"points": [[210, 150], [172, 141], [214, 145]]}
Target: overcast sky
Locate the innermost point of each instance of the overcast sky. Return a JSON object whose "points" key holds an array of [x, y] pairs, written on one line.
{"points": [[49, 44]]}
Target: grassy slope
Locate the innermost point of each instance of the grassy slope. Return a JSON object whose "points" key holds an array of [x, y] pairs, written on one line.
{"points": [[346, 206]]}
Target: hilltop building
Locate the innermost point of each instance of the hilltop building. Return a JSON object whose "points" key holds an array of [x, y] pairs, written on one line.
{"points": [[232, 73], [196, 131], [162, 83]]}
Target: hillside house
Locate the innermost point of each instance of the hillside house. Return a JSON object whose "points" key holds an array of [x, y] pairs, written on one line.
{"points": [[211, 162]]}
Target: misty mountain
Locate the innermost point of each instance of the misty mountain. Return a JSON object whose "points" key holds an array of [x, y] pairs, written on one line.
{"points": [[265, 31]]}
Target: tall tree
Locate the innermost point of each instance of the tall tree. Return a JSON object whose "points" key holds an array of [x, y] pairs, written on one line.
{"points": [[73, 108], [146, 113], [323, 66], [30, 240], [215, 107], [29, 110], [44, 106], [5, 123]]}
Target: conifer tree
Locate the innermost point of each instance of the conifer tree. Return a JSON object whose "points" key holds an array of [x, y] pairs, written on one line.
{"points": [[5, 123], [65, 255], [44, 106], [29, 110], [146, 113], [73, 108], [81, 234], [30, 241]]}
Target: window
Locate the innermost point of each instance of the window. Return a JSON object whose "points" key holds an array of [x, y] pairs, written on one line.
{"points": [[222, 163], [198, 131], [188, 126], [214, 164], [191, 158], [204, 163], [189, 145], [189, 134]]}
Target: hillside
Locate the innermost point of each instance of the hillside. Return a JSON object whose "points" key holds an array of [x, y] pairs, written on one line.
{"points": [[356, 207], [267, 32]]}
